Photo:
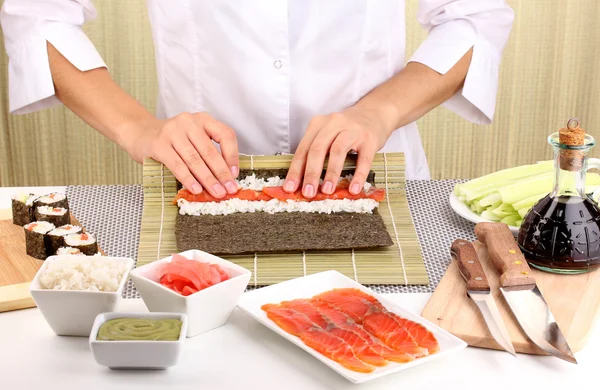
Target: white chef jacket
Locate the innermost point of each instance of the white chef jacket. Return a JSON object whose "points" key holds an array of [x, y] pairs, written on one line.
{"points": [[266, 67]]}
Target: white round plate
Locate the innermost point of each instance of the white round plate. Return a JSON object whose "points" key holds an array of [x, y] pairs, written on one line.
{"points": [[464, 211]]}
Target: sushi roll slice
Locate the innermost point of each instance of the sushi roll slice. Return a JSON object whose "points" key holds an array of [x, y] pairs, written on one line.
{"points": [[22, 208], [35, 239], [58, 216], [85, 242], [67, 250], [55, 199], [56, 238]]}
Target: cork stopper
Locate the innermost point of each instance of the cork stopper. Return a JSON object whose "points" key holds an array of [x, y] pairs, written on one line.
{"points": [[572, 135]]}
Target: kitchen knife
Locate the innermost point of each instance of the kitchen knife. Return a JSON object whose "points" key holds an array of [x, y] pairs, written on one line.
{"points": [[519, 288], [479, 291]]}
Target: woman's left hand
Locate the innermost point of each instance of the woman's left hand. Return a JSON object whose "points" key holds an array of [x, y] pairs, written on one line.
{"points": [[361, 130]]}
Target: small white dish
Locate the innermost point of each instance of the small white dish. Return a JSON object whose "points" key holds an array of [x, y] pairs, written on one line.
{"points": [[137, 354], [464, 211], [72, 313], [207, 309], [309, 286]]}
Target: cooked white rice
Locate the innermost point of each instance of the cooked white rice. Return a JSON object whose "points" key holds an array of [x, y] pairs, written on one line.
{"points": [[41, 227], [64, 230], [83, 273], [77, 239], [25, 197], [51, 198], [67, 250], [49, 210]]}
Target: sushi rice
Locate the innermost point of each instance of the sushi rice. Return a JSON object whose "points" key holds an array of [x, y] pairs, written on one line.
{"points": [[25, 198], [274, 206], [76, 240], [83, 274], [49, 210], [41, 227], [64, 230], [67, 250], [51, 198]]}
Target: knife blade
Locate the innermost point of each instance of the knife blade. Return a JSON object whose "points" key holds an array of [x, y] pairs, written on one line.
{"points": [[479, 291], [519, 288]]}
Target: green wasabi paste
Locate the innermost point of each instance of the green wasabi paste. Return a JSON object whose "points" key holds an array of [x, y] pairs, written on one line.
{"points": [[140, 329]]}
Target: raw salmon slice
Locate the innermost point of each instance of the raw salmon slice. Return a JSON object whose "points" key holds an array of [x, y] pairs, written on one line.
{"points": [[335, 349], [355, 307], [360, 346], [204, 196], [315, 337], [345, 322], [384, 326], [422, 336]]}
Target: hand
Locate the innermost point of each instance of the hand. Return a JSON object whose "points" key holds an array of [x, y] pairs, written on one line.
{"points": [[360, 130], [184, 144]]}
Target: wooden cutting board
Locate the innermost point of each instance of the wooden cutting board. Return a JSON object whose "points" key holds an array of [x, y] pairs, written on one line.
{"points": [[574, 301], [17, 269]]}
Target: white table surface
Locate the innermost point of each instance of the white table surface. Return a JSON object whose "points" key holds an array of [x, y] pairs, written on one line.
{"points": [[245, 355]]}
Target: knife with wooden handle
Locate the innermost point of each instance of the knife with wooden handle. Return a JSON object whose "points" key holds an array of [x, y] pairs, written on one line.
{"points": [[518, 287], [479, 291]]}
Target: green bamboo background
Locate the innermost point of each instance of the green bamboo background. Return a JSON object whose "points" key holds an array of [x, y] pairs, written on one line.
{"points": [[550, 72], [398, 264]]}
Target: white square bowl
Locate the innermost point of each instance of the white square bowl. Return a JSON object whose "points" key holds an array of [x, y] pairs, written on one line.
{"points": [[72, 313], [309, 286], [137, 354], [207, 309]]}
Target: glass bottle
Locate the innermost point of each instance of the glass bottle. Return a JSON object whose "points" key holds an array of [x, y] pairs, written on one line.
{"points": [[561, 233]]}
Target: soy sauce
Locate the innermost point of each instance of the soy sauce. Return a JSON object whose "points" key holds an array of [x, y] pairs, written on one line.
{"points": [[562, 234]]}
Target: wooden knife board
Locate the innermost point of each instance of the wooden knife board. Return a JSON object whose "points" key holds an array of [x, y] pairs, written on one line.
{"points": [[574, 300], [17, 269]]}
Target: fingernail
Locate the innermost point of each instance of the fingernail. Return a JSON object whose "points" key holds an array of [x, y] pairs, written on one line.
{"points": [[196, 188], [327, 187], [355, 188], [309, 191], [234, 171], [231, 187], [219, 190], [289, 186]]}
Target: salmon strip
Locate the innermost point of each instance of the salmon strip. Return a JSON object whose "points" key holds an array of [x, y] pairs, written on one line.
{"points": [[384, 326], [422, 336], [360, 346], [345, 322], [354, 306], [315, 337]]}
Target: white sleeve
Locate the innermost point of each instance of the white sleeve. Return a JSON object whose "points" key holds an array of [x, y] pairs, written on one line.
{"points": [[27, 25], [454, 27]]}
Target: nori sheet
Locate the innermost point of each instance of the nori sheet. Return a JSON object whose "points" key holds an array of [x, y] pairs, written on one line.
{"points": [[279, 232], [53, 243], [35, 244], [22, 214]]}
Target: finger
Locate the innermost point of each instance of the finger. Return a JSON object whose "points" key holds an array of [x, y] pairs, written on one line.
{"points": [[363, 167], [225, 136], [316, 159], [294, 176], [176, 165], [213, 159], [195, 163], [337, 156]]}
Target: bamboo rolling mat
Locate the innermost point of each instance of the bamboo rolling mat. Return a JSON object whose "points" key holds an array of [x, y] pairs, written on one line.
{"points": [[401, 263]]}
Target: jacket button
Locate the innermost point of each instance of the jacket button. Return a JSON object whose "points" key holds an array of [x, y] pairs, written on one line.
{"points": [[277, 64]]}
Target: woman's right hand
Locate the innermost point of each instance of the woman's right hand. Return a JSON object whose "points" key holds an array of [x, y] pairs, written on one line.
{"points": [[184, 145]]}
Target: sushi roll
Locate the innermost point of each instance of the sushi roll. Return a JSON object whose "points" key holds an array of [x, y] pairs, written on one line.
{"points": [[56, 238], [22, 208], [35, 239], [58, 216], [85, 242], [67, 250], [55, 199]]}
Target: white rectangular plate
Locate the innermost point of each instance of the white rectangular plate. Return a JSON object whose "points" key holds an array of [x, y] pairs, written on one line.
{"points": [[309, 286]]}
